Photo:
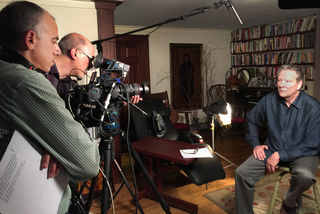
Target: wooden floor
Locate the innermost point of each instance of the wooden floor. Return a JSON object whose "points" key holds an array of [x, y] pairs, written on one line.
{"points": [[233, 147]]}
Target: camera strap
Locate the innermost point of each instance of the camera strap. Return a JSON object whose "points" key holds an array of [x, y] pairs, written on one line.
{"points": [[159, 126]]}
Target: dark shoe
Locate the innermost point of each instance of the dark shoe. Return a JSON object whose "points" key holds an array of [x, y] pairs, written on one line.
{"points": [[287, 210]]}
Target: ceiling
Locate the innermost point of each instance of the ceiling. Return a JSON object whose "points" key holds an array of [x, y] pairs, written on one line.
{"points": [[252, 12]]}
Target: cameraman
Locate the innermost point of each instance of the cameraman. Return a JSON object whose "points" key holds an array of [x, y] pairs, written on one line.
{"points": [[29, 103], [77, 55]]}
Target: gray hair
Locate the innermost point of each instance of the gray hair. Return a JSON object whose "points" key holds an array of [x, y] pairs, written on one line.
{"points": [[16, 19], [296, 69]]}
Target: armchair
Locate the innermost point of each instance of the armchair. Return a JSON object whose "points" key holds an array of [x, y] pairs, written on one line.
{"points": [[162, 154], [174, 114]]}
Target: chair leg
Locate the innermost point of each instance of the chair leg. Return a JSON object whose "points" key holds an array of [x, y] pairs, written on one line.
{"points": [[300, 207], [316, 199], [316, 196], [275, 193]]}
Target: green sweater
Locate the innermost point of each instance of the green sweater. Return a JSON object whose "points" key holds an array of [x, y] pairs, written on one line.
{"points": [[31, 105]]}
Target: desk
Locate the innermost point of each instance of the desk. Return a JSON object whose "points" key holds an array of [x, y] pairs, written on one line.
{"points": [[158, 149]]}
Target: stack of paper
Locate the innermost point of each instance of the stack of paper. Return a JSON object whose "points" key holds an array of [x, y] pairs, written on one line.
{"points": [[196, 153], [24, 188]]}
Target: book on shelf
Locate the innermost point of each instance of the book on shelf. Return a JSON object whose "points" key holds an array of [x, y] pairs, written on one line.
{"points": [[309, 71], [288, 27], [266, 47], [312, 23], [295, 41], [290, 57], [272, 71], [297, 25]]}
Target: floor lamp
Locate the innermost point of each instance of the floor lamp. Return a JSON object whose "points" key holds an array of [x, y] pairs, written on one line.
{"points": [[224, 120]]}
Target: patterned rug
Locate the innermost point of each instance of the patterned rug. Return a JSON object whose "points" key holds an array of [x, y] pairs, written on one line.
{"points": [[225, 198]]}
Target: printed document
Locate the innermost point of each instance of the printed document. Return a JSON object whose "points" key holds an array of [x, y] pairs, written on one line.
{"points": [[24, 188], [196, 153]]}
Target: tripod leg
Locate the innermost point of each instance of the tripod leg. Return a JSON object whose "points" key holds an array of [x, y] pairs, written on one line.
{"points": [[163, 203], [128, 186], [105, 189], [91, 194]]}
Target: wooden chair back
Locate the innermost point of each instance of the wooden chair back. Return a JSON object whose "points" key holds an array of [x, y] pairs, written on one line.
{"points": [[217, 92], [161, 96], [174, 117]]}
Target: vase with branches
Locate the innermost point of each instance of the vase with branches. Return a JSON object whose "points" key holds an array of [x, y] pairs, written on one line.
{"points": [[209, 74]]}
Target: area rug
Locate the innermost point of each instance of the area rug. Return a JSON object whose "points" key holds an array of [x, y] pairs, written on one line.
{"points": [[225, 198]]}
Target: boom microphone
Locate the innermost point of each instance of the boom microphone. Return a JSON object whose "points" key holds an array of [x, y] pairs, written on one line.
{"points": [[235, 11], [229, 5]]}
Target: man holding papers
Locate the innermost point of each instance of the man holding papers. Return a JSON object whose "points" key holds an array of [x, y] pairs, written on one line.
{"points": [[28, 101]]}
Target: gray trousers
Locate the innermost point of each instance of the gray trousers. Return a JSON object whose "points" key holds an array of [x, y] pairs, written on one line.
{"points": [[252, 170]]}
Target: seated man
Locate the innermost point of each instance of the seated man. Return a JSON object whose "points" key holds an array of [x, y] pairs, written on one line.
{"points": [[293, 120]]}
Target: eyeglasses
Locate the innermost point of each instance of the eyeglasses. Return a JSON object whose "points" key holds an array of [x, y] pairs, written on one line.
{"points": [[91, 58]]}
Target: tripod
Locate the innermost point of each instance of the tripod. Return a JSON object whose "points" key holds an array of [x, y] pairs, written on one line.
{"points": [[106, 148]]}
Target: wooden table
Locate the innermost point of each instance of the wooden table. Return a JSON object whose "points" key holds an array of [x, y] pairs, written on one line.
{"points": [[155, 150]]}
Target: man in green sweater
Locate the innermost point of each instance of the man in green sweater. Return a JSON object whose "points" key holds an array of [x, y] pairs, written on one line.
{"points": [[28, 101]]}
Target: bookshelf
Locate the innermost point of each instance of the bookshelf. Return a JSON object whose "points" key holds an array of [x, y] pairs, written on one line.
{"points": [[262, 49]]}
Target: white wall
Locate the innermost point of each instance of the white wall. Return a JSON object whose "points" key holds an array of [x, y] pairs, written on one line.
{"points": [[216, 49], [71, 16], [216, 52]]}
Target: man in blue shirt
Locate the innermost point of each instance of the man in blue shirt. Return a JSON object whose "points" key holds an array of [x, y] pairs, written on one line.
{"points": [[293, 122]]}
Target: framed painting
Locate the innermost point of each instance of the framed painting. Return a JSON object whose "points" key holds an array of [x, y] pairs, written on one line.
{"points": [[186, 75]]}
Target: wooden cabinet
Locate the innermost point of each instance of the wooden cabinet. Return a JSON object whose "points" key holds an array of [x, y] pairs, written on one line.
{"points": [[262, 49]]}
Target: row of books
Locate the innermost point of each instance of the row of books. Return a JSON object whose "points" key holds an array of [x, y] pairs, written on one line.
{"points": [[268, 72], [303, 40], [293, 57], [288, 27], [271, 72], [309, 72]]}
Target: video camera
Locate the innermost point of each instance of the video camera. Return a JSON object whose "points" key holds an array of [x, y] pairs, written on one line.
{"points": [[97, 104]]}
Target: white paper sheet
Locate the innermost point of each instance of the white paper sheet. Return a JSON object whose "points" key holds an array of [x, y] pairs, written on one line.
{"points": [[24, 188], [196, 153]]}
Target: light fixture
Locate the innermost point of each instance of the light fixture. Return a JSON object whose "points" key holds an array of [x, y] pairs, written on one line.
{"points": [[219, 111], [225, 119]]}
